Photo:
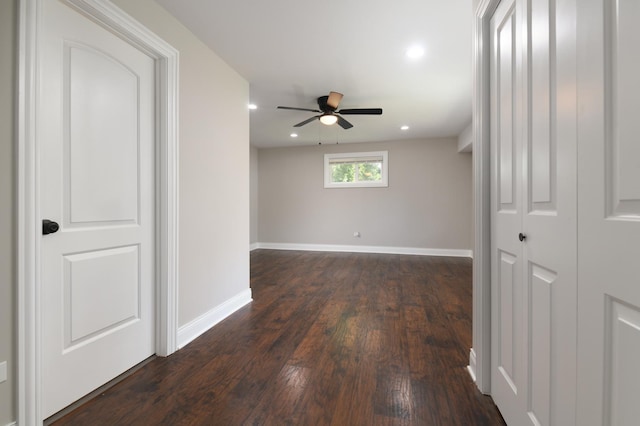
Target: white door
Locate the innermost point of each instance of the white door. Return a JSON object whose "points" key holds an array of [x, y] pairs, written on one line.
{"points": [[534, 211], [95, 132], [508, 372], [609, 213]]}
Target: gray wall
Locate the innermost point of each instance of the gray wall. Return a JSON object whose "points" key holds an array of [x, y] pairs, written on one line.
{"points": [[428, 203], [8, 9], [254, 196]]}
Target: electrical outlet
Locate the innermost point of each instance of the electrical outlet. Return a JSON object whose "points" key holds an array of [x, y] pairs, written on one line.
{"points": [[356, 234], [3, 371]]}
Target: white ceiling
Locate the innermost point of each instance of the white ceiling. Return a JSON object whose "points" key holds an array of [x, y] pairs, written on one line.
{"points": [[293, 51]]}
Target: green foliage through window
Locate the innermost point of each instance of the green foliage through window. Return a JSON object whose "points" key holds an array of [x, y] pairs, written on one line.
{"points": [[366, 169], [344, 172], [356, 172], [370, 172]]}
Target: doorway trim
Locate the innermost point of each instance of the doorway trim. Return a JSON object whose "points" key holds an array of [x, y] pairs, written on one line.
{"points": [[480, 354], [106, 14]]}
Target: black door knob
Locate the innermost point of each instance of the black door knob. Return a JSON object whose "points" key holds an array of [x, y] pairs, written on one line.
{"points": [[49, 227], [522, 237]]}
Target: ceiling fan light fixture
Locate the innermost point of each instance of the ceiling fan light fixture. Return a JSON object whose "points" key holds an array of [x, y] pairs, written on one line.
{"points": [[328, 119]]}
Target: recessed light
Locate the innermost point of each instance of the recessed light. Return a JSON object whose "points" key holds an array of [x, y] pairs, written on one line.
{"points": [[253, 106], [415, 52], [404, 128], [294, 135]]}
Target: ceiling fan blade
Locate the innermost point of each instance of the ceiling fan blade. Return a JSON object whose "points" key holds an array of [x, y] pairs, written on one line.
{"points": [[299, 109], [334, 99], [307, 121], [344, 123], [365, 111]]}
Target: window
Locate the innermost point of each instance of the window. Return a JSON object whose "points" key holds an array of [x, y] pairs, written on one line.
{"points": [[356, 170]]}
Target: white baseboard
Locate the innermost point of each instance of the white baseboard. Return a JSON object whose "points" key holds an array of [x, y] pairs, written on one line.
{"points": [[11, 424], [190, 331], [366, 249], [253, 246], [471, 368]]}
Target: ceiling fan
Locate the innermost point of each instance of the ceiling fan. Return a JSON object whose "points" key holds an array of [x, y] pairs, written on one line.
{"points": [[328, 109]]}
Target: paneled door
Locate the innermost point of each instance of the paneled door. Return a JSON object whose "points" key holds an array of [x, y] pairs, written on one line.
{"points": [[508, 376], [95, 131], [609, 213], [534, 257]]}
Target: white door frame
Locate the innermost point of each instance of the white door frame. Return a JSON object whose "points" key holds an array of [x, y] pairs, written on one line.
{"points": [[107, 15], [480, 356]]}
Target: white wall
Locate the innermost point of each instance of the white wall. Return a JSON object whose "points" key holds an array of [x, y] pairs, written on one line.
{"points": [[8, 40], [428, 203], [214, 168]]}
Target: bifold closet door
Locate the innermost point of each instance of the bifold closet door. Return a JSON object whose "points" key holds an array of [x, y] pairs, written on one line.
{"points": [[534, 211], [609, 213]]}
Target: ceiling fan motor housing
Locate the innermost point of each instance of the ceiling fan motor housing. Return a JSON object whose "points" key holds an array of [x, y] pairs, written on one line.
{"points": [[322, 104]]}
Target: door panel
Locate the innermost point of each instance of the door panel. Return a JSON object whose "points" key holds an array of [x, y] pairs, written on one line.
{"points": [[609, 214], [541, 281], [505, 78], [101, 114], [542, 179], [508, 312], [623, 149], [95, 127], [102, 292], [550, 221], [622, 375], [538, 121]]}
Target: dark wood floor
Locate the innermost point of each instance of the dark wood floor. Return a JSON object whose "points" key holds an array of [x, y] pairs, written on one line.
{"points": [[330, 339]]}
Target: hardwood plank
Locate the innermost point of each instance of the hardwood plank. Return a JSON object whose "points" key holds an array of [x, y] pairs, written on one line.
{"points": [[330, 339]]}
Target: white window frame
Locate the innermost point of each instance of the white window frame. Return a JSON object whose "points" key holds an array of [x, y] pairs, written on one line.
{"points": [[356, 157]]}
